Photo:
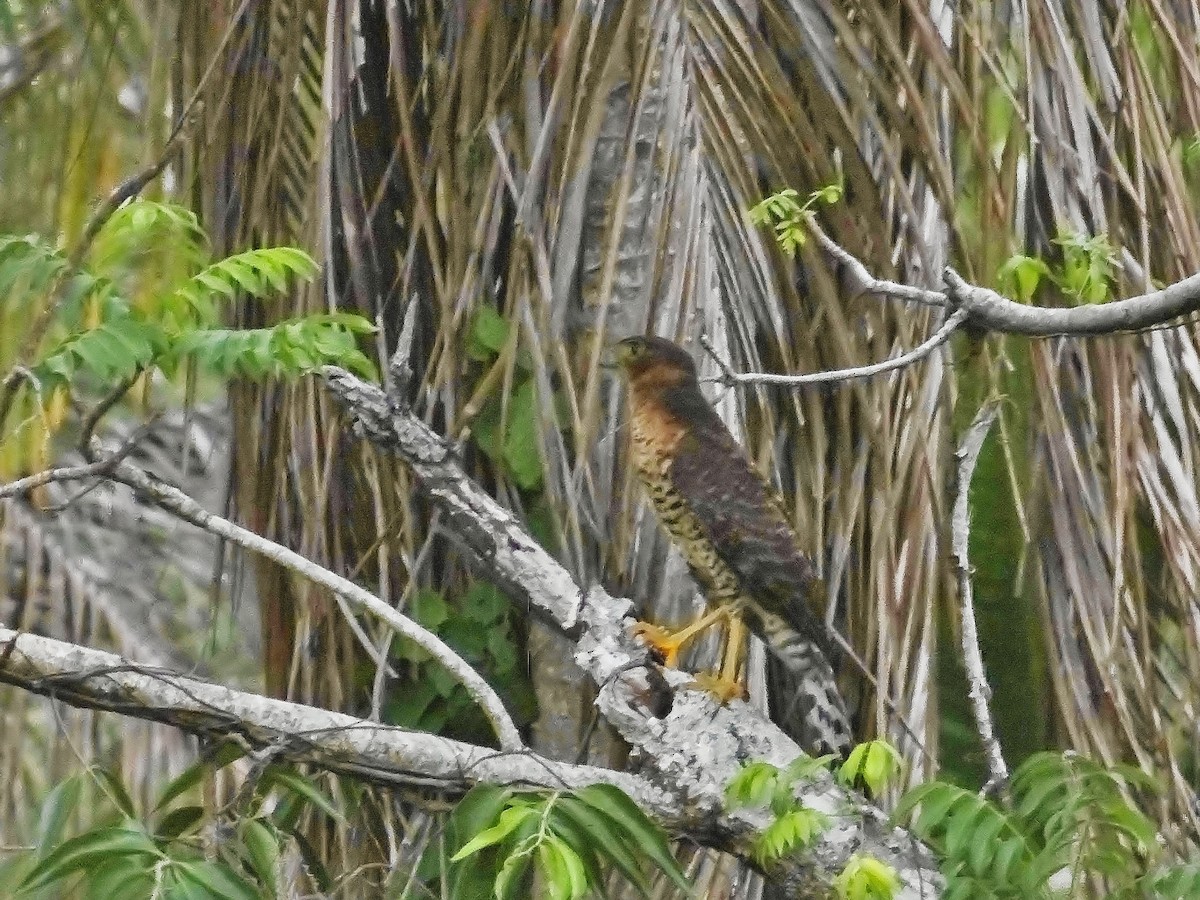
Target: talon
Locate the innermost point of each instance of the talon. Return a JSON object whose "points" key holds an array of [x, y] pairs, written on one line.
{"points": [[663, 643], [724, 689]]}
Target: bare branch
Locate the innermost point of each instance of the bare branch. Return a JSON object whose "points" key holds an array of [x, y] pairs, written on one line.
{"points": [[989, 311], [960, 527], [939, 337], [856, 280], [381, 754], [180, 504]]}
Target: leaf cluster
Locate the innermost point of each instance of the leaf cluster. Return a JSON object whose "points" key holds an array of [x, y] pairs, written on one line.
{"points": [[787, 214], [124, 855], [148, 296], [1085, 275], [794, 826], [498, 839], [1073, 824], [761, 785], [481, 628]]}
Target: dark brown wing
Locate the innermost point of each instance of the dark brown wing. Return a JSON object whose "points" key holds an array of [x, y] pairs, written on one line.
{"points": [[741, 517], [744, 522]]}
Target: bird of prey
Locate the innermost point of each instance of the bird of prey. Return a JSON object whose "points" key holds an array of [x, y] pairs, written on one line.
{"points": [[732, 531]]}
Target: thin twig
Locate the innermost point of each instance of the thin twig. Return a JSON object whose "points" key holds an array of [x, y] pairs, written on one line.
{"points": [[856, 280], [960, 525], [100, 465], [943, 334]]}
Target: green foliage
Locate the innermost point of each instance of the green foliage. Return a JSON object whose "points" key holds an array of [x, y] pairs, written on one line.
{"points": [[1087, 267], [1071, 819], [497, 838], [1020, 276], [1085, 275], [866, 878], [482, 629], [873, 764], [506, 428], [147, 296], [787, 214], [160, 853], [762, 785], [28, 266]]}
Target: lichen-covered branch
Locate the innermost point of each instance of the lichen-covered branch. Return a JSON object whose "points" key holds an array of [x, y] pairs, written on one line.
{"points": [[381, 754], [685, 744]]}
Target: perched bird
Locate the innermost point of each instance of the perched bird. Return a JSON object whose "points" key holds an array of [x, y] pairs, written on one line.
{"points": [[735, 537]]}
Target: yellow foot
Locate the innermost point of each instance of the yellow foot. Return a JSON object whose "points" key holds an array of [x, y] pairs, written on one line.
{"points": [[724, 689], [665, 643]]}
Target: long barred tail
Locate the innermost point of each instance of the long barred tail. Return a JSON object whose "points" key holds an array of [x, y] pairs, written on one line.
{"points": [[805, 700]]}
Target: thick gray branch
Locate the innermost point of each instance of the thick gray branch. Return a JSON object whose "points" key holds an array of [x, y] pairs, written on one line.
{"points": [[378, 753], [685, 743]]}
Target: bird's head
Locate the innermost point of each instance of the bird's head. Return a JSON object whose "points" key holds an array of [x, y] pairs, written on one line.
{"points": [[654, 363]]}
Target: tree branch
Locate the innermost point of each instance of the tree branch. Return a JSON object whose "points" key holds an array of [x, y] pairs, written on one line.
{"points": [[381, 754], [687, 745], [943, 334], [960, 530], [184, 507], [989, 311]]}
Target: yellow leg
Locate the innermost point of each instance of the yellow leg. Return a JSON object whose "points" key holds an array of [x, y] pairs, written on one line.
{"points": [[670, 644], [735, 640], [727, 684]]}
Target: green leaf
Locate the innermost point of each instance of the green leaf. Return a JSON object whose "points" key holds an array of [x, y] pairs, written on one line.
{"points": [[301, 788], [428, 608], [521, 451], [489, 333], [753, 785], [794, 829], [179, 821], [511, 876], [225, 754], [216, 878], [509, 820], [87, 850], [115, 791], [121, 878], [1021, 275], [578, 839], [484, 602], [502, 650], [866, 878], [608, 842], [408, 706], [262, 849], [635, 827], [56, 809], [561, 869]]}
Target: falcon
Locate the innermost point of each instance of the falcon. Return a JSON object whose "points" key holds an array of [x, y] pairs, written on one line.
{"points": [[732, 530]]}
